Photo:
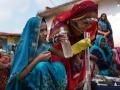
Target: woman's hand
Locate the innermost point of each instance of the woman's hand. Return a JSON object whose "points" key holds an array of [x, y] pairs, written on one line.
{"points": [[61, 37], [106, 34], [43, 56]]}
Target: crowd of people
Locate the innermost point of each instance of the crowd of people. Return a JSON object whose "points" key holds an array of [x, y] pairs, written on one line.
{"points": [[39, 64]]}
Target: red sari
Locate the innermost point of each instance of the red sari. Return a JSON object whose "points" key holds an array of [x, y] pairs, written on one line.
{"points": [[73, 83], [79, 9]]}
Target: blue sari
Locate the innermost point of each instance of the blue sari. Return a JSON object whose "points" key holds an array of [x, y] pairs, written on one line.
{"points": [[104, 58], [105, 26], [46, 74]]}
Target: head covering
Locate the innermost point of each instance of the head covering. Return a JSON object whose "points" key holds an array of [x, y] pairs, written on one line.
{"points": [[105, 17], [27, 45], [96, 45], [79, 9], [106, 21], [25, 51], [99, 38]]}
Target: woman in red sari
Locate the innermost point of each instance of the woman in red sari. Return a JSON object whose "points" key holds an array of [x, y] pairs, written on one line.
{"points": [[77, 20]]}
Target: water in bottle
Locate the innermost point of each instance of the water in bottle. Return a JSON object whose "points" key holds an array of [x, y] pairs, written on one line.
{"points": [[66, 46]]}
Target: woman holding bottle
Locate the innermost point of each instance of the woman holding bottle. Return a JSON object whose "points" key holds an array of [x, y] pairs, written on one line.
{"points": [[75, 22]]}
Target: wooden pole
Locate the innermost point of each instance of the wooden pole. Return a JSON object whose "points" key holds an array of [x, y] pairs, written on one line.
{"points": [[87, 85]]}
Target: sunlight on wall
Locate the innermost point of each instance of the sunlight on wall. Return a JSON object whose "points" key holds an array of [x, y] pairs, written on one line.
{"points": [[115, 21], [113, 13]]}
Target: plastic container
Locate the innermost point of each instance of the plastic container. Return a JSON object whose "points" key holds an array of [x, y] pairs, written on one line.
{"points": [[66, 46]]}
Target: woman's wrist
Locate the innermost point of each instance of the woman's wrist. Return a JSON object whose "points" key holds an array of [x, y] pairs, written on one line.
{"points": [[37, 59]]}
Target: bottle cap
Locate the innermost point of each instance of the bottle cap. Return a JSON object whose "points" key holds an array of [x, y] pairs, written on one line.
{"points": [[62, 30]]}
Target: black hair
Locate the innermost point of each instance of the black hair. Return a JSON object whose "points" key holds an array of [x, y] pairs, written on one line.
{"points": [[101, 16], [105, 16], [106, 20], [43, 20]]}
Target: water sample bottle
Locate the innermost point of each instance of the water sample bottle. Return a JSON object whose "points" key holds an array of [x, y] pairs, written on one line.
{"points": [[66, 46]]}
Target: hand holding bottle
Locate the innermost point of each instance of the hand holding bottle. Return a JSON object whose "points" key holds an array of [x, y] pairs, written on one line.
{"points": [[65, 43], [61, 37]]}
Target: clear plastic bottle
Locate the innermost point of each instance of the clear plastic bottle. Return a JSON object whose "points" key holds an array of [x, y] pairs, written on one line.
{"points": [[66, 46]]}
